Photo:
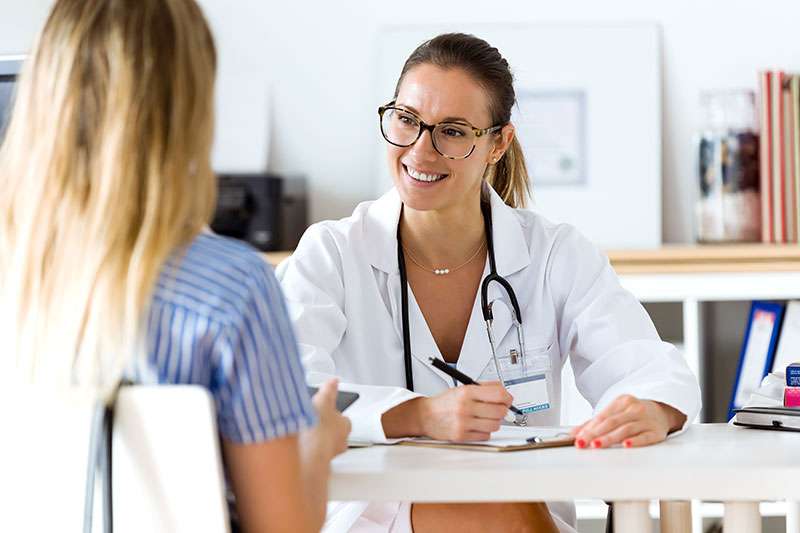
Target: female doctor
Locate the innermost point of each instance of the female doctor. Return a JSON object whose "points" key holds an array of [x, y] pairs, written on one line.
{"points": [[452, 219]]}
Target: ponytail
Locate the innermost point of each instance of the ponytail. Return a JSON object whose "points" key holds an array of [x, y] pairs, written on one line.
{"points": [[509, 176]]}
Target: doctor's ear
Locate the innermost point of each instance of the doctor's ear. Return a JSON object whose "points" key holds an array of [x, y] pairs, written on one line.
{"points": [[501, 143]]}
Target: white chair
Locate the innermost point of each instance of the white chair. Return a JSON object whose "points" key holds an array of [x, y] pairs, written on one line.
{"points": [[167, 471]]}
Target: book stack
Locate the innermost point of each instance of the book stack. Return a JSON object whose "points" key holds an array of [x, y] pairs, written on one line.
{"points": [[765, 409], [779, 96], [791, 394]]}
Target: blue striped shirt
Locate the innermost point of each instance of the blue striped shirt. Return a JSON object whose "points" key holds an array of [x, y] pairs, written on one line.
{"points": [[218, 319]]}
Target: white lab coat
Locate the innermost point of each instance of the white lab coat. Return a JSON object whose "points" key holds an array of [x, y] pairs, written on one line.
{"points": [[342, 285]]}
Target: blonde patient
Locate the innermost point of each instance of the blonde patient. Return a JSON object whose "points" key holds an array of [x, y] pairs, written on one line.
{"points": [[106, 271]]}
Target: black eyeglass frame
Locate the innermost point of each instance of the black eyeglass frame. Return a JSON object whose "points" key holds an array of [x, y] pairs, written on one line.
{"points": [[423, 126]]}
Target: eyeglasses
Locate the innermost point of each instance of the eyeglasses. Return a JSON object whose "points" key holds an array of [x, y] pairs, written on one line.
{"points": [[453, 140]]}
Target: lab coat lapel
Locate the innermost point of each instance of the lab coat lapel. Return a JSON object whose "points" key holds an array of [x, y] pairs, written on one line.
{"points": [[380, 232], [511, 249], [380, 246], [512, 256], [476, 351], [380, 238]]}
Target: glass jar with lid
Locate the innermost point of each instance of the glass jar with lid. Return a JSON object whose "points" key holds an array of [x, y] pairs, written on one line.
{"points": [[728, 208]]}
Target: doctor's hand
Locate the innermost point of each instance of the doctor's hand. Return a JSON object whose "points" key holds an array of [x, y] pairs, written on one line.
{"points": [[629, 421], [468, 412]]}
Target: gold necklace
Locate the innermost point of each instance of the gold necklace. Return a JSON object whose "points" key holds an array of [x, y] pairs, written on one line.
{"points": [[443, 271]]}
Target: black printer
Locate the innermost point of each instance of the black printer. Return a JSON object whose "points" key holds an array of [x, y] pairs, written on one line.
{"points": [[266, 210]]}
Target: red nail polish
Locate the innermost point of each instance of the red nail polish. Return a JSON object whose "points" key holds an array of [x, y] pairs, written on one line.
{"points": [[627, 444], [596, 443], [581, 443]]}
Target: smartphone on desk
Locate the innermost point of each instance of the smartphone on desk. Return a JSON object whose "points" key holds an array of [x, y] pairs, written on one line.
{"points": [[344, 399]]}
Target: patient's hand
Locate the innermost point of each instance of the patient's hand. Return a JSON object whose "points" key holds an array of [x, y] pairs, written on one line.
{"points": [[329, 437], [629, 421]]}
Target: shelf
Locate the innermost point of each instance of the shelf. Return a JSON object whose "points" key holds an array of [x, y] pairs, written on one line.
{"points": [[707, 258], [687, 259], [274, 258]]}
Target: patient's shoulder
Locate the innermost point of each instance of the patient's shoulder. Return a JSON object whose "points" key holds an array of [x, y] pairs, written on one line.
{"points": [[213, 276]]}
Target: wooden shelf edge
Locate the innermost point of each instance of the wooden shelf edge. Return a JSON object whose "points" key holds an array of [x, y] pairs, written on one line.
{"points": [[275, 258], [708, 252], [706, 268], [679, 259]]}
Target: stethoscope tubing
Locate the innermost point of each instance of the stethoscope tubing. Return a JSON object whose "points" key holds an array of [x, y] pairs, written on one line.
{"points": [[486, 306], [493, 276], [401, 263]]}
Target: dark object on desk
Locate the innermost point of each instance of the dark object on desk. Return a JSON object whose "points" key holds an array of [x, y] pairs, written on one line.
{"points": [[610, 518], [775, 418], [266, 210], [344, 399], [462, 378]]}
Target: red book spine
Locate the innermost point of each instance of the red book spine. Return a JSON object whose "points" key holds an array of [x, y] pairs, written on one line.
{"points": [[767, 227], [780, 153], [792, 214]]}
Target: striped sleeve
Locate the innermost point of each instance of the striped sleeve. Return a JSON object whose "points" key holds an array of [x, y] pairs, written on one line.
{"points": [[259, 380]]}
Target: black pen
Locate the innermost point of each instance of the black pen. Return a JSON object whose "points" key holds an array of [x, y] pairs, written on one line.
{"points": [[536, 439], [462, 378]]}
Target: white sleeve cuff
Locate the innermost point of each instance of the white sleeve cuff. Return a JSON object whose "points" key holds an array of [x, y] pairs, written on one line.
{"points": [[366, 412]]}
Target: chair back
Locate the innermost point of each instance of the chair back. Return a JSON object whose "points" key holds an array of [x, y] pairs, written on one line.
{"points": [[166, 468]]}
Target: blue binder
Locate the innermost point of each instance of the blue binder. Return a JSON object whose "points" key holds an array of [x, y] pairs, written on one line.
{"points": [[757, 358]]}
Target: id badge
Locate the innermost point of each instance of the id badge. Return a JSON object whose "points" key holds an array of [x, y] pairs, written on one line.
{"points": [[528, 379]]}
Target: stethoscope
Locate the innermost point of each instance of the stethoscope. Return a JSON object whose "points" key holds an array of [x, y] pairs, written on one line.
{"points": [[486, 306]]}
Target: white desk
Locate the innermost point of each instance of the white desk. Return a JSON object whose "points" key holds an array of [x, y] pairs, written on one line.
{"points": [[710, 462]]}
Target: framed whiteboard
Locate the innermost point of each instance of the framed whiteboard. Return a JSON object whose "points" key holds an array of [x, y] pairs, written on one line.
{"points": [[588, 115]]}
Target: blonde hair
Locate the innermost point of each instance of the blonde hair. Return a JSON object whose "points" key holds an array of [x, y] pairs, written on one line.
{"points": [[509, 176], [105, 173]]}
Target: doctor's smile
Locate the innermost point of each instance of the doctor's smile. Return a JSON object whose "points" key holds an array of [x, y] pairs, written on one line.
{"points": [[422, 175]]}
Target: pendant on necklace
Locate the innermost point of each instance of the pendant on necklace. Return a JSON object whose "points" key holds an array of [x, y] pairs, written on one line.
{"points": [[441, 271]]}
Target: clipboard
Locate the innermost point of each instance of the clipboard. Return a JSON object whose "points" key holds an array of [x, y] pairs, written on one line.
{"points": [[507, 439]]}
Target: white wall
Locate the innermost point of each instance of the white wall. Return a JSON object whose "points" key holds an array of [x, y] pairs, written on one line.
{"points": [[318, 59]]}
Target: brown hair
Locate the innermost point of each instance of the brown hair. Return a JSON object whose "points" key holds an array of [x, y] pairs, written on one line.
{"points": [[509, 176]]}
